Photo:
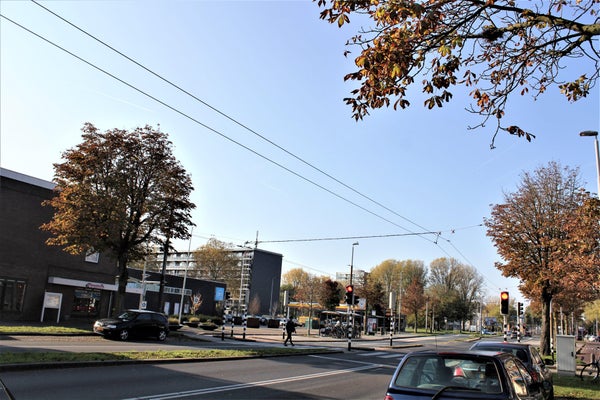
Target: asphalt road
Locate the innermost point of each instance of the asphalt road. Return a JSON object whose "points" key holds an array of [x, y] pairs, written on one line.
{"points": [[362, 373], [339, 376], [99, 344]]}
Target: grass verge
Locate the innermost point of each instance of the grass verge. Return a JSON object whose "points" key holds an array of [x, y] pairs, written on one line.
{"points": [[41, 330], [571, 388], [58, 357]]}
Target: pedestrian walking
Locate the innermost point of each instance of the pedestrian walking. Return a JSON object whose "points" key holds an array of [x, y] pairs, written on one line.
{"points": [[290, 328]]}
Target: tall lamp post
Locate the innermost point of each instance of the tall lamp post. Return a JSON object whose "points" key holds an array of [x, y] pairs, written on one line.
{"points": [[350, 310], [594, 134], [352, 261]]}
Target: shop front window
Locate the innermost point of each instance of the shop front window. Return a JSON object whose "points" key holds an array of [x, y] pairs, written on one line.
{"points": [[86, 302], [12, 294]]}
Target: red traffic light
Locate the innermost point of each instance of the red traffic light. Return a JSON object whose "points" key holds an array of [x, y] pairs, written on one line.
{"points": [[504, 303], [349, 294]]}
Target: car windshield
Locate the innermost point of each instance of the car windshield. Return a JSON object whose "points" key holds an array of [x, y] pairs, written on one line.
{"points": [[451, 372], [127, 315]]}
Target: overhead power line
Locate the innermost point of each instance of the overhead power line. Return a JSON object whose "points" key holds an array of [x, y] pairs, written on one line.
{"points": [[227, 116], [172, 108], [346, 237], [420, 234]]}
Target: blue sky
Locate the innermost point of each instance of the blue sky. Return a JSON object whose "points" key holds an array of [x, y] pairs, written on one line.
{"points": [[278, 69]]}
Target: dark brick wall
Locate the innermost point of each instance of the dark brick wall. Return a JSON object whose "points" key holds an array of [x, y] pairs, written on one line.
{"points": [[265, 280], [24, 254]]}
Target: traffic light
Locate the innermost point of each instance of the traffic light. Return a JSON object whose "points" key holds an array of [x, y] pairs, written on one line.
{"points": [[504, 303], [227, 295], [356, 299], [349, 294], [519, 309]]}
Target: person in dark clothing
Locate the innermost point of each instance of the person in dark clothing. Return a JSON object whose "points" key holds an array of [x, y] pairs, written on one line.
{"points": [[290, 327]]}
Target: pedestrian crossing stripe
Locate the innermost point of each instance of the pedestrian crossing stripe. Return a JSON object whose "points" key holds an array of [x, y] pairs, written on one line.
{"points": [[380, 354], [373, 353], [393, 355]]}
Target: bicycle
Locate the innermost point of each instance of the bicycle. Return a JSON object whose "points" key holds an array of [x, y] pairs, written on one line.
{"points": [[591, 372]]}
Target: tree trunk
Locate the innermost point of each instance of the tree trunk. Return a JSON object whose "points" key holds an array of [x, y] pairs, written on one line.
{"points": [[123, 278], [416, 320], [161, 290], [545, 348]]}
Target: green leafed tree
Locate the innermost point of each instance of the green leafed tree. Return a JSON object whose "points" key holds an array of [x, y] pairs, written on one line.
{"points": [[215, 261], [592, 317], [496, 48], [545, 232], [330, 295], [457, 287], [372, 291], [117, 192], [388, 274]]}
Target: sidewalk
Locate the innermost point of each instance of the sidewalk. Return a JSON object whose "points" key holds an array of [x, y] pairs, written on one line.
{"points": [[275, 337]]}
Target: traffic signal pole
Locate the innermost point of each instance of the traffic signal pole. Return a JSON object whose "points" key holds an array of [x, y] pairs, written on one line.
{"points": [[350, 302], [392, 318], [504, 309], [349, 333], [519, 314]]}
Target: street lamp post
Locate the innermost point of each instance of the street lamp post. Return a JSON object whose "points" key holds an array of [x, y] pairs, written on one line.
{"points": [[594, 134], [352, 261], [187, 265], [350, 311]]}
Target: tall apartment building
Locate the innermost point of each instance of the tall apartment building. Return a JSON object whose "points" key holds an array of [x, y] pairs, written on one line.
{"points": [[257, 288], [344, 277]]}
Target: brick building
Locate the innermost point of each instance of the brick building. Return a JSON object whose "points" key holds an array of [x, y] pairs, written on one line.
{"points": [[37, 279]]}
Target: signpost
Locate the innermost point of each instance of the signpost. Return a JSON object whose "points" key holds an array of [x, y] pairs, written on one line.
{"points": [[52, 300]]}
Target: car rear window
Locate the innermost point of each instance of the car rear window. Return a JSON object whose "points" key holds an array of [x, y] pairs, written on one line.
{"points": [[435, 372], [519, 353]]}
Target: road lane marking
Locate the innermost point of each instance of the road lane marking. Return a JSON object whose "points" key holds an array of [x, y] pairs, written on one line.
{"points": [[216, 389]]}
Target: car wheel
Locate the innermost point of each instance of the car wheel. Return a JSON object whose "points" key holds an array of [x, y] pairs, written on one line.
{"points": [[124, 334], [162, 335]]}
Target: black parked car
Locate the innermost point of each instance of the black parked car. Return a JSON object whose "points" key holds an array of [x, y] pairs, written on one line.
{"points": [[139, 323], [466, 375], [530, 357]]}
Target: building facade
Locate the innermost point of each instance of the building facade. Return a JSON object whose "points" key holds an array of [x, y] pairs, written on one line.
{"points": [[41, 282], [344, 277], [256, 290]]}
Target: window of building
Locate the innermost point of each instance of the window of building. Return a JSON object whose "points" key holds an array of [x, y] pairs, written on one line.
{"points": [[92, 257], [86, 301], [12, 294]]}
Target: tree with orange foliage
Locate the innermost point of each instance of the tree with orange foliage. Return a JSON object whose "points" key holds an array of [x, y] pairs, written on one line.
{"points": [[414, 298], [548, 236], [493, 47], [116, 192]]}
